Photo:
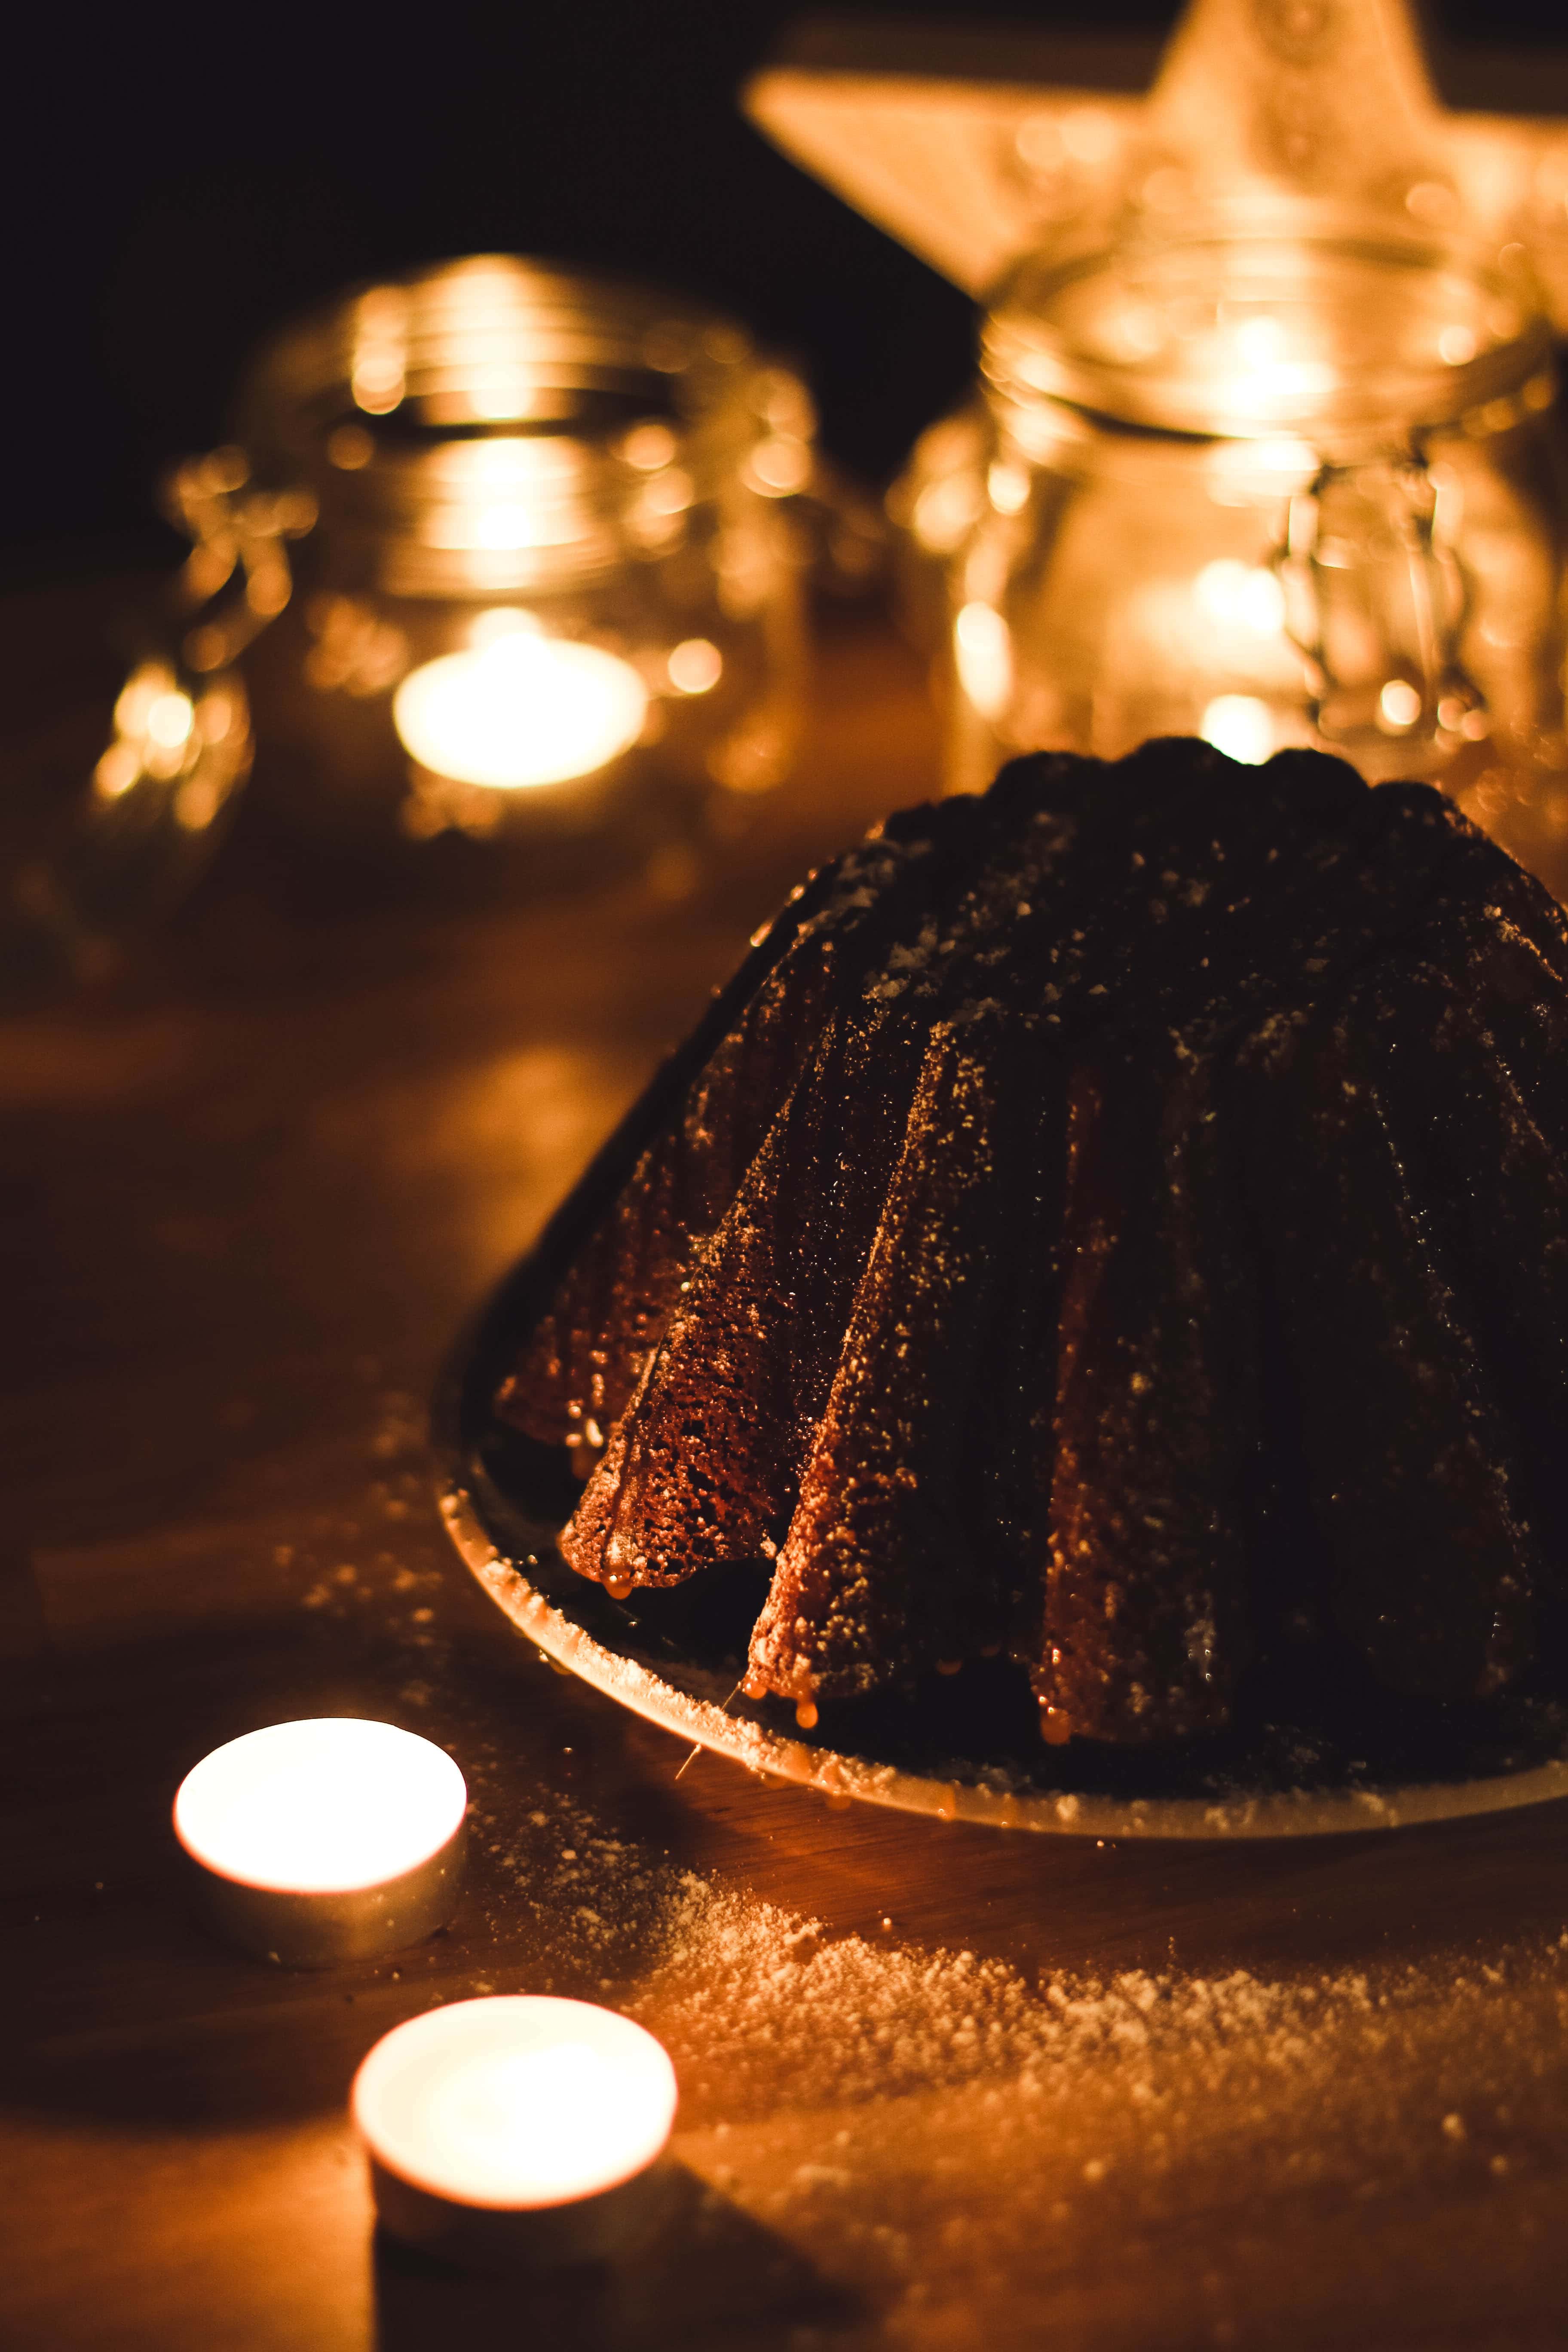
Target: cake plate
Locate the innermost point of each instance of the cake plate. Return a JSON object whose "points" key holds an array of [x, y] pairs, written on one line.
{"points": [[963, 1748]]}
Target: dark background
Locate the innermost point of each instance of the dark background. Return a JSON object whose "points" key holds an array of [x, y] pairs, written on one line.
{"points": [[176, 182]]}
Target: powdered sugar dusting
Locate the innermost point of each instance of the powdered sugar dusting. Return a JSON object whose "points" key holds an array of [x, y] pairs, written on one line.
{"points": [[874, 2105]]}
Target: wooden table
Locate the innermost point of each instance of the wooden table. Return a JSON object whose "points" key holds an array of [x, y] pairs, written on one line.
{"points": [[941, 2087]]}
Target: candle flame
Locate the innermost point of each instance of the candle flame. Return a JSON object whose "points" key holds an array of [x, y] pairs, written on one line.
{"points": [[519, 710]]}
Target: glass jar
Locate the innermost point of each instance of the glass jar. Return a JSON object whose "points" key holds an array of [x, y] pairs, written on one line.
{"points": [[544, 583], [1267, 489]]}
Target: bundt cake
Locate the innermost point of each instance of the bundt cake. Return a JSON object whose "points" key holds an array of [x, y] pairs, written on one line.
{"points": [[1119, 1221]]}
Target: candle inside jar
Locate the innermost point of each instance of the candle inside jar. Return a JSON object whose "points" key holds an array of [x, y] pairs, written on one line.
{"points": [[520, 710], [329, 1838], [535, 2112]]}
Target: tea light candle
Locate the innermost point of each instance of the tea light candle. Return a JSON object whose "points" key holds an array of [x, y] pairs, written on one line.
{"points": [[517, 2132], [520, 710], [324, 1840]]}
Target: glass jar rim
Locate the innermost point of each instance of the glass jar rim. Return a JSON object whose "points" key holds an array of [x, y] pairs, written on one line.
{"points": [[1222, 332], [419, 409], [492, 341]]}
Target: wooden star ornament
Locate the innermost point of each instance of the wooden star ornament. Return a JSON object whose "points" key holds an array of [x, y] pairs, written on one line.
{"points": [[973, 149]]}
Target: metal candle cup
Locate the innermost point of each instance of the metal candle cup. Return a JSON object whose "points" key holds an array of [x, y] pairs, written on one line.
{"points": [[519, 2132], [325, 1840]]}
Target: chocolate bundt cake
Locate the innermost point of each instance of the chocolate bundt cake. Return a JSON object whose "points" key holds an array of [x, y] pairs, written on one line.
{"points": [[1121, 1222]]}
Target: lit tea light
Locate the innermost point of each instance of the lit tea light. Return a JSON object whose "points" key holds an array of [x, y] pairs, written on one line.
{"points": [[518, 2131], [519, 710], [1241, 726], [1243, 597], [325, 1840]]}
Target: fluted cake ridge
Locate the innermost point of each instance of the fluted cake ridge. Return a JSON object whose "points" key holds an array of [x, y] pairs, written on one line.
{"points": [[1118, 1219]]}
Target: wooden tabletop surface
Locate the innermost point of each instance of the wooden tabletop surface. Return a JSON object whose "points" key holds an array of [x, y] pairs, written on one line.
{"points": [[941, 2087]]}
